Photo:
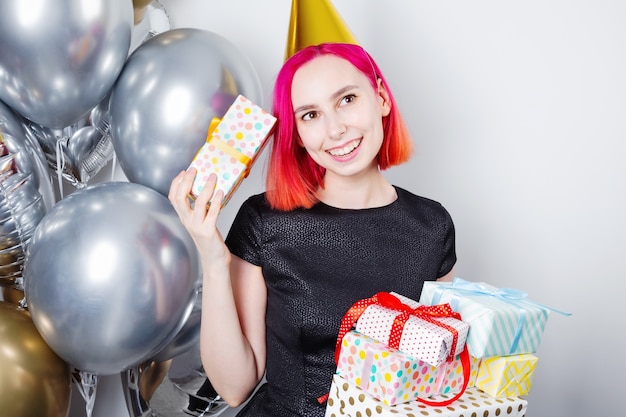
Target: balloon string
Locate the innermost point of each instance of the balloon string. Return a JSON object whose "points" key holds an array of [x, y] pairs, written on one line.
{"points": [[60, 164], [87, 384], [113, 162]]}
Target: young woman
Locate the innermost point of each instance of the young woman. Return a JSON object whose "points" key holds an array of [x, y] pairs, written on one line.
{"points": [[329, 230]]}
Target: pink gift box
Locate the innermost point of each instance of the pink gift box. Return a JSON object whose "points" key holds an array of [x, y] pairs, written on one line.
{"points": [[387, 374], [451, 375], [232, 147], [420, 338]]}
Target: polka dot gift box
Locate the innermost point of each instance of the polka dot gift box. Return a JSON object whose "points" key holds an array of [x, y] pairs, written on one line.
{"points": [[347, 399], [430, 338], [232, 147], [452, 371], [387, 374]]}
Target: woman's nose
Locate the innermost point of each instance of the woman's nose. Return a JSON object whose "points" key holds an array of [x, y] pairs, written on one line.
{"points": [[336, 127]]}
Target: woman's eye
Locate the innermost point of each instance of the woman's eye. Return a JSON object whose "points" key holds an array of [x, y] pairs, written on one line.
{"points": [[348, 99], [309, 116]]}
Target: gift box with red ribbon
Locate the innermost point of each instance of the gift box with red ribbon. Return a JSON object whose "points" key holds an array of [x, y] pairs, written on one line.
{"points": [[233, 144], [432, 334], [429, 335]]}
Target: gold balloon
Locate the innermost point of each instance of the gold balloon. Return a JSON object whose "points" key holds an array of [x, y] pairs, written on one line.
{"points": [[151, 375], [34, 381], [139, 8], [140, 4], [12, 295], [313, 22]]}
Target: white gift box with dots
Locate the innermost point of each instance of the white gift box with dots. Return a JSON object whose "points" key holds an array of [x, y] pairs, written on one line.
{"points": [[420, 338], [232, 147], [347, 399]]}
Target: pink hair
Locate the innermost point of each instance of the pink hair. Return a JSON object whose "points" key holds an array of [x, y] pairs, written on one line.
{"points": [[292, 176]]}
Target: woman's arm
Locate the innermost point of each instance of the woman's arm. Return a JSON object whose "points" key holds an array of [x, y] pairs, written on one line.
{"points": [[447, 277], [232, 330]]}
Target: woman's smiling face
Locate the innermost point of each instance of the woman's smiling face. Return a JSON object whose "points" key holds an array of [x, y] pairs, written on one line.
{"points": [[338, 115]]}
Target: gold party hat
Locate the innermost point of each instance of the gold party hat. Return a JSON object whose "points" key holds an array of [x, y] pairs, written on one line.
{"points": [[313, 22]]}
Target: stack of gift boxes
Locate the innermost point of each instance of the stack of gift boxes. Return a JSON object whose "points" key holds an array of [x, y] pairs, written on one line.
{"points": [[464, 347]]}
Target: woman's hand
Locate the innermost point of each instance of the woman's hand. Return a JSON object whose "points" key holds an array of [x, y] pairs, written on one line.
{"points": [[200, 218]]}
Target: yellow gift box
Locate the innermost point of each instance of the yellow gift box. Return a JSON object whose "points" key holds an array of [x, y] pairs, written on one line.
{"points": [[506, 376]]}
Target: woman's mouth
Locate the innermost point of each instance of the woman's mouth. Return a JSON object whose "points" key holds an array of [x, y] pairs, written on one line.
{"points": [[345, 150]]}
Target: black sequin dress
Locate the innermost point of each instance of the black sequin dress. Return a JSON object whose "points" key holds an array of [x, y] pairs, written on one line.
{"points": [[316, 264]]}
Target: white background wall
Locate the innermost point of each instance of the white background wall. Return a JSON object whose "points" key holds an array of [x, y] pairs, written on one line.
{"points": [[518, 113]]}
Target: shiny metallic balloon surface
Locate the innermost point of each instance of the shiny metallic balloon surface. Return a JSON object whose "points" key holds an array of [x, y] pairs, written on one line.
{"points": [[59, 58], [187, 338], [111, 276], [34, 381], [25, 194], [29, 156], [170, 89], [78, 151], [177, 387]]}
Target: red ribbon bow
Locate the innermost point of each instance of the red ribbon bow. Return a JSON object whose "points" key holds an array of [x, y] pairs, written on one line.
{"points": [[385, 299]]}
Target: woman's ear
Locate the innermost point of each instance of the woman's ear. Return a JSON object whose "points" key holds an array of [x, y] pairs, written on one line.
{"points": [[384, 97]]}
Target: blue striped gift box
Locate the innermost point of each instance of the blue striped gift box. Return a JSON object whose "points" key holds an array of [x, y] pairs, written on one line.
{"points": [[502, 321]]}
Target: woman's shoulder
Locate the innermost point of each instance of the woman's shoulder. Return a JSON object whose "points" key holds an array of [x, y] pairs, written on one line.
{"points": [[256, 200], [257, 206], [254, 205], [412, 201], [407, 196]]}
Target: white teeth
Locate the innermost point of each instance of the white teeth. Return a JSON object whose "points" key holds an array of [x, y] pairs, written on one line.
{"points": [[346, 149]]}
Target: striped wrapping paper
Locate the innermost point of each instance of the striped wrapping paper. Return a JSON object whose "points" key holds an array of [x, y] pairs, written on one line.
{"points": [[502, 321]]}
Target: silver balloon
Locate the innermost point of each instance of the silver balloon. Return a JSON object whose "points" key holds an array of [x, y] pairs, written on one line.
{"points": [[25, 195], [46, 138], [182, 390], [99, 115], [163, 102], [123, 284], [187, 338], [77, 152], [59, 58], [29, 157], [87, 151]]}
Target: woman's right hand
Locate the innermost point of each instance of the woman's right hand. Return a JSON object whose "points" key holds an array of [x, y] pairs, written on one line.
{"points": [[200, 217]]}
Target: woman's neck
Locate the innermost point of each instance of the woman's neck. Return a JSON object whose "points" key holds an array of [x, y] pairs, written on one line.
{"points": [[372, 190]]}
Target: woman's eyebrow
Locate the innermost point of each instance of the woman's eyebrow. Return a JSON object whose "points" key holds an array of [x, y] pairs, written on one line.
{"points": [[335, 95]]}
